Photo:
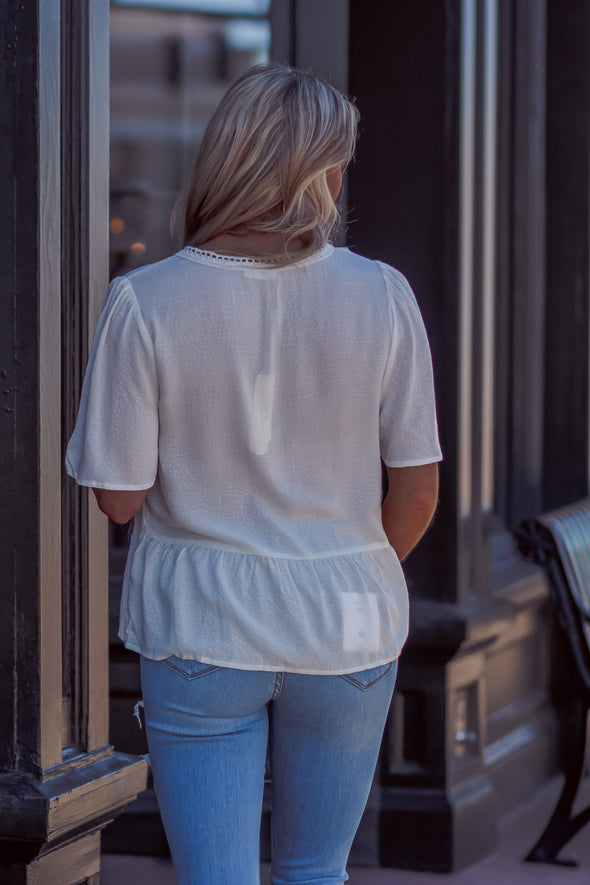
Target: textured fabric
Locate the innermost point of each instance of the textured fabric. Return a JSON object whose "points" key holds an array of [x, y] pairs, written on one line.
{"points": [[208, 730], [255, 402]]}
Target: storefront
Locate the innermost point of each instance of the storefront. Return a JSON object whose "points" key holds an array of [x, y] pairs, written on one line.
{"points": [[472, 178]]}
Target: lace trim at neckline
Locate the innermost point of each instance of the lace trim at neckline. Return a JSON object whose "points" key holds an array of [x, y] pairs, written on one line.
{"points": [[217, 258]]}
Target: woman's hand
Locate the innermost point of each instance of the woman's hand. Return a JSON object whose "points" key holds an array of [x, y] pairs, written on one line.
{"points": [[120, 506], [409, 506]]}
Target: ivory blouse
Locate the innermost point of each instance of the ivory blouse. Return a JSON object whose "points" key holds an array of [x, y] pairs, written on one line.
{"points": [[254, 402]]}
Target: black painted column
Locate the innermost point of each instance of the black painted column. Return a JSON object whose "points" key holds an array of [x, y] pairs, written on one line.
{"points": [[60, 780], [448, 186], [567, 376]]}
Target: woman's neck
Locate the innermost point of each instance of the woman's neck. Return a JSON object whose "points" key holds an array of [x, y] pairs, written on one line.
{"points": [[253, 243]]}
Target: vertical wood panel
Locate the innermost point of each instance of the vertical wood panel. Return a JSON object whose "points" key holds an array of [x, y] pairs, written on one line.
{"points": [[528, 281], [483, 246], [84, 281], [502, 368], [19, 248], [50, 383], [74, 248], [11, 481], [567, 364], [469, 369], [404, 204], [521, 353], [488, 270], [98, 207], [282, 32], [477, 261], [312, 36], [466, 249], [322, 39]]}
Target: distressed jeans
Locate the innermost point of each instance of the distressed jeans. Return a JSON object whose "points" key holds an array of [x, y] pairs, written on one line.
{"points": [[208, 730]]}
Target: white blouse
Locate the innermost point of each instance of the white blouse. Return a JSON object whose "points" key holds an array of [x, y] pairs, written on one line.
{"points": [[254, 402]]}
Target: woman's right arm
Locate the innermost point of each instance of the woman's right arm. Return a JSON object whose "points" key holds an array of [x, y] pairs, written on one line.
{"points": [[120, 506], [410, 505], [114, 446]]}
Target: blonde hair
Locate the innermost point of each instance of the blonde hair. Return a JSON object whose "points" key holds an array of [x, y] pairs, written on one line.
{"points": [[263, 160]]}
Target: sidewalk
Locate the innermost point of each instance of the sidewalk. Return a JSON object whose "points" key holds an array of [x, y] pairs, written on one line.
{"points": [[518, 833]]}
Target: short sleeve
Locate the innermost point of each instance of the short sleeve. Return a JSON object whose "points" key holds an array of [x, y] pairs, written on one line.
{"points": [[408, 430], [115, 441]]}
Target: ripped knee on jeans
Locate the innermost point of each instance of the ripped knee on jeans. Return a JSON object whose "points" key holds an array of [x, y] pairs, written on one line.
{"points": [[136, 712]]}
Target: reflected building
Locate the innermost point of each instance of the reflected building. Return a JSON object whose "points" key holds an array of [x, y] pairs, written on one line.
{"points": [[169, 69]]}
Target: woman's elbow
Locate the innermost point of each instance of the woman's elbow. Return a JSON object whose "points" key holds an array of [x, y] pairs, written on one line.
{"points": [[119, 515], [120, 506], [422, 497], [423, 503]]}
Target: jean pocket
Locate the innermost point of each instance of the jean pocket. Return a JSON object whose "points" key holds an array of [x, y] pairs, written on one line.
{"points": [[189, 669], [364, 679]]}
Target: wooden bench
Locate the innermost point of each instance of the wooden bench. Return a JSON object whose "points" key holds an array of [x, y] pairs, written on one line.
{"points": [[560, 543]]}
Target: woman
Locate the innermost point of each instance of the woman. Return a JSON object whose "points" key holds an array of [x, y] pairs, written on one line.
{"points": [[238, 399]]}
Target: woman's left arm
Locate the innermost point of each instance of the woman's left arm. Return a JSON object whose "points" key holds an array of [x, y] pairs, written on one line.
{"points": [[409, 506], [120, 506]]}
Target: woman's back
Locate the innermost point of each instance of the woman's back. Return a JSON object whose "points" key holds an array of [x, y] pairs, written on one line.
{"points": [[255, 403], [269, 382], [269, 398]]}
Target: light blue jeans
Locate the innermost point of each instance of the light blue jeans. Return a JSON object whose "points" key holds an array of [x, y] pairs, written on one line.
{"points": [[208, 729]]}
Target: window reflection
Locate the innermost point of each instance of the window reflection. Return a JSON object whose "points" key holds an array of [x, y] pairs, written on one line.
{"points": [[170, 64]]}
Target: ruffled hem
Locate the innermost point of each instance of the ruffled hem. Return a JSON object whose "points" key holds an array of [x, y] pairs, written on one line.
{"points": [[204, 659], [329, 615]]}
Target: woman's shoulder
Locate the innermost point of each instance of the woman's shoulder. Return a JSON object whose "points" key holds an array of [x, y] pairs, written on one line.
{"points": [[391, 279], [154, 273], [163, 279], [348, 255]]}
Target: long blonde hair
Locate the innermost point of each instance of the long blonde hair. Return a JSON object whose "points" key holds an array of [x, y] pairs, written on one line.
{"points": [[263, 160]]}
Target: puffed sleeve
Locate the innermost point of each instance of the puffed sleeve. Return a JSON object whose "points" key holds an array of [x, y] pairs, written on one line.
{"points": [[408, 427], [115, 441]]}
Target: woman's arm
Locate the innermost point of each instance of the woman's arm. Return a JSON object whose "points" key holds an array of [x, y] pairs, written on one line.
{"points": [[120, 506], [409, 506]]}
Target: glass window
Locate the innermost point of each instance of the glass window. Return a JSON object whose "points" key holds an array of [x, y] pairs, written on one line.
{"points": [[170, 64]]}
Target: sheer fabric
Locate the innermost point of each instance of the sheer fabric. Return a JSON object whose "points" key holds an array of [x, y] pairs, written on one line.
{"points": [[255, 402]]}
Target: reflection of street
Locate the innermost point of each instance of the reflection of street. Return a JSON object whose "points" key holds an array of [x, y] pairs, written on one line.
{"points": [[168, 71]]}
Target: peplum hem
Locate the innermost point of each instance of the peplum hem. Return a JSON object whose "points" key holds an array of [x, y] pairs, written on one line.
{"points": [[326, 615]]}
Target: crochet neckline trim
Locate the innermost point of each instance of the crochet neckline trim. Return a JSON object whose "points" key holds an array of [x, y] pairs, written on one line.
{"points": [[218, 259]]}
